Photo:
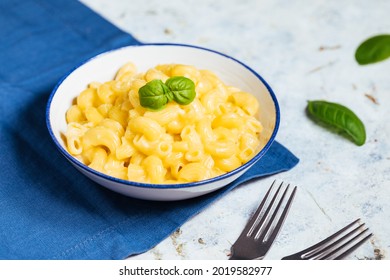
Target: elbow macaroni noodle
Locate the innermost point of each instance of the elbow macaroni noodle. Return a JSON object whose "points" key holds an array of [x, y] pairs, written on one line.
{"points": [[109, 131]]}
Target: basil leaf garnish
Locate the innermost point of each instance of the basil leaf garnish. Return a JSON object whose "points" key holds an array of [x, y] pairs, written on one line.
{"points": [[339, 117], [373, 50], [154, 95], [183, 89]]}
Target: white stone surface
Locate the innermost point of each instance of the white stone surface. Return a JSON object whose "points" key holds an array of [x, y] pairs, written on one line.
{"points": [[305, 51]]}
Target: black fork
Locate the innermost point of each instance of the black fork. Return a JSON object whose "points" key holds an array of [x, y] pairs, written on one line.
{"points": [[262, 229]]}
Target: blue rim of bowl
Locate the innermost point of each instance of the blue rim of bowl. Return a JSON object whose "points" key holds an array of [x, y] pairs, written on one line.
{"points": [[164, 186]]}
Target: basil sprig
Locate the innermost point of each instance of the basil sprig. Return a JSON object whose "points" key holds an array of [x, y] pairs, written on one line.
{"points": [[339, 117], [373, 50], [155, 94]]}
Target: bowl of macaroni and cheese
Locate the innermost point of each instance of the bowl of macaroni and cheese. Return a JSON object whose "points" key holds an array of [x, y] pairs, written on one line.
{"points": [[163, 121]]}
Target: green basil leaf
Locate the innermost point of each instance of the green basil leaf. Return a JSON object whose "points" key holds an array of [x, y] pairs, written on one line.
{"points": [[154, 95], [183, 89], [339, 117], [373, 50]]}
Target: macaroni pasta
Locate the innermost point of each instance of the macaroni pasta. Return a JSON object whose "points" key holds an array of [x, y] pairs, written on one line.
{"points": [[109, 131]]}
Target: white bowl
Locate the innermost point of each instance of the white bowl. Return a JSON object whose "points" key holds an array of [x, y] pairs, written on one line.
{"points": [[103, 68]]}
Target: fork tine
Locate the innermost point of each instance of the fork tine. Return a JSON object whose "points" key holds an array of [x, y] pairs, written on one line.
{"points": [[313, 248], [262, 227], [262, 233], [351, 249], [330, 249], [321, 249], [330, 242], [283, 216], [261, 230], [259, 223], [255, 216]]}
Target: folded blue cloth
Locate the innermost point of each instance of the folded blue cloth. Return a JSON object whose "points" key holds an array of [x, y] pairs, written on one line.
{"points": [[48, 210]]}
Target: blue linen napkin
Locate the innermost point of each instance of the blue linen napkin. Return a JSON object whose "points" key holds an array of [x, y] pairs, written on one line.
{"points": [[48, 210]]}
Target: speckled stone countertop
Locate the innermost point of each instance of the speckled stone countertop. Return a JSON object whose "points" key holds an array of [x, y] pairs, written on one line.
{"points": [[305, 51]]}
